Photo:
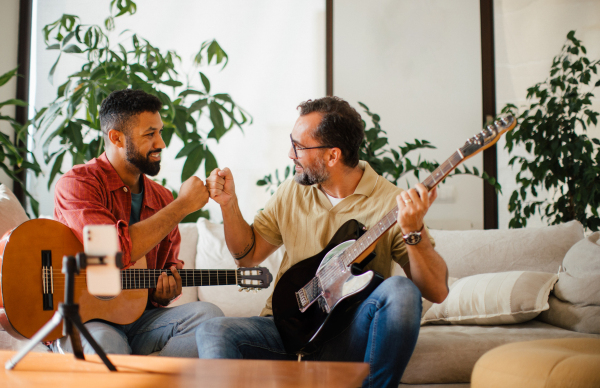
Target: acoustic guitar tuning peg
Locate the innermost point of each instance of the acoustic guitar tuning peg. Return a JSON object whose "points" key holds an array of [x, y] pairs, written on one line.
{"points": [[240, 289], [247, 290]]}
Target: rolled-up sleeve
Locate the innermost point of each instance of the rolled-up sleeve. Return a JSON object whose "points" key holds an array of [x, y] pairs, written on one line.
{"points": [[82, 200]]}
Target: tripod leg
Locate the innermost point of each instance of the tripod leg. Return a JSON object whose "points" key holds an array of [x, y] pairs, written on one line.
{"points": [[86, 334], [38, 337], [75, 339]]}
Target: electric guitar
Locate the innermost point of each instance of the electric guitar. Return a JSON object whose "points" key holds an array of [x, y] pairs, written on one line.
{"points": [[32, 284], [313, 298]]}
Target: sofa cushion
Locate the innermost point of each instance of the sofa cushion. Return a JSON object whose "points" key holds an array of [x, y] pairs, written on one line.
{"points": [[212, 253], [447, 354], [575, 304], [12, 213], [470, 252], [584, 319], [494, 299], [579, 280], [187, 253]]}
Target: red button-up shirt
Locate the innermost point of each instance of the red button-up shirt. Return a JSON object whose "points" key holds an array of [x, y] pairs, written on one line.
{"points": [[93, 193]]}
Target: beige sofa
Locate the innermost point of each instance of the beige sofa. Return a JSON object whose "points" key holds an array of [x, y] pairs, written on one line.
{"points": [[445, 353]]}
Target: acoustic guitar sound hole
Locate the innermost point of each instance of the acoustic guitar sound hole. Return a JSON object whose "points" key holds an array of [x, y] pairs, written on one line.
{"points": [[104, 297]]}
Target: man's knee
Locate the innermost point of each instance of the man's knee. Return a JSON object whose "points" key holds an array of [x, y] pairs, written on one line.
{"points": [[110, 339], [218, 327], [202, 311], [402, 292]]}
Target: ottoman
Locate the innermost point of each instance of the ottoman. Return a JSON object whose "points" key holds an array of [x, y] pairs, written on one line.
{"points": [[565, 362]]}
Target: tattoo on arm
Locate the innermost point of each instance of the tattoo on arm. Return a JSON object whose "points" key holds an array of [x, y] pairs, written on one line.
{"points": [[248, 247]]}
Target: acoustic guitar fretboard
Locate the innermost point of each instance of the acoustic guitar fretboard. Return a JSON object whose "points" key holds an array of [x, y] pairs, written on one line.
{"points": [[146, 278]]}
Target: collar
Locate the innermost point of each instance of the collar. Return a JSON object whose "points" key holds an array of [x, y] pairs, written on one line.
{"points": [[367, 183], [114, 182]]}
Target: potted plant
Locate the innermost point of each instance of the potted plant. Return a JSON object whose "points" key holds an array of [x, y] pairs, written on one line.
{"points": [[15, 158], [70, 124], [558, 173]]}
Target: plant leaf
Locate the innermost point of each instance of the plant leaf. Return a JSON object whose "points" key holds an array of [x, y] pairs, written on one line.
{"points": [[192, 163]]}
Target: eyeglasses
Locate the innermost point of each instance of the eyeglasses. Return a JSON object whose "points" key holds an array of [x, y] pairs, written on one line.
{"points": [[297, 148]]}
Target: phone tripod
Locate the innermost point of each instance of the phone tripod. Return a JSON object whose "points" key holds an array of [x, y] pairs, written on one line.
{"points": [[68, 313]]}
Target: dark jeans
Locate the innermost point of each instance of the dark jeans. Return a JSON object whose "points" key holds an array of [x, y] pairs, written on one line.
{"points": [[383, 333]]}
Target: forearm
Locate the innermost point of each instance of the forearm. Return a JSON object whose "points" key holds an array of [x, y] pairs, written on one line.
{"points": [[146, 234], [428, 270], [239, 236]]}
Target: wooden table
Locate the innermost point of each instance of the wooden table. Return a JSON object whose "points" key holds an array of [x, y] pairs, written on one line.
{"points": [[64, 371]]}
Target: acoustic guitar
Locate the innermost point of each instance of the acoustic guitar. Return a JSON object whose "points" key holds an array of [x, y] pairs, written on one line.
{"points": [[313, 298], [32, 284]]}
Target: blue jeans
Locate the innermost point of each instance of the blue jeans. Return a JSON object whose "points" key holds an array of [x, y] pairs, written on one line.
{"points": [[383, 333], [168, 330]]}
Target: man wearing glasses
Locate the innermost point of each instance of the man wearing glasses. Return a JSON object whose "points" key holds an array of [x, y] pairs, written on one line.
{"points": [[330, 187]]}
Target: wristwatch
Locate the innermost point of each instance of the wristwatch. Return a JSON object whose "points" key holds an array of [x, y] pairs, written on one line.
{"points": [[413, 238]]}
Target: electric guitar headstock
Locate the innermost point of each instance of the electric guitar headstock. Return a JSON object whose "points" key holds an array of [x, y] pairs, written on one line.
{"points": [[488, 136]]}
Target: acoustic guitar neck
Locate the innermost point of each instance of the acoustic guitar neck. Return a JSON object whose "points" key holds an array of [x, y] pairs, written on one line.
{"points": [[146, 278]]}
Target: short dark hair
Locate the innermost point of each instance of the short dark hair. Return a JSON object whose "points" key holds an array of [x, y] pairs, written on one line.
{"points": [[120, 106], [341, 126]]}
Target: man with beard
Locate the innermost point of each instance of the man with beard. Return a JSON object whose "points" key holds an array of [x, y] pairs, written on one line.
{"points": [[332, 186], [114, 189]]}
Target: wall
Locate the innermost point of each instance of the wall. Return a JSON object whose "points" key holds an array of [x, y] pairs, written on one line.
{"points": [[528, 34], [276, 60], [9, 31], [418, 64]]}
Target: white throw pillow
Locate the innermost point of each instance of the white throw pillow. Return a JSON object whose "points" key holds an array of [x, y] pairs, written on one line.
{"points": [[494, 299], [212, 253], [579, 282], [576, 301], [12, 213], [187, 253]]}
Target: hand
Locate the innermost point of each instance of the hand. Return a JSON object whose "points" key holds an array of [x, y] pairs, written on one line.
{"points": [[193, 194], [167, 287], [220, 186], [413, 204]]}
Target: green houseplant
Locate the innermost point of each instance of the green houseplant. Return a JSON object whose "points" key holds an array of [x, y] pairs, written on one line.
{"points": [[561, 159], [388, 162], [13, 157], [70, 124]]}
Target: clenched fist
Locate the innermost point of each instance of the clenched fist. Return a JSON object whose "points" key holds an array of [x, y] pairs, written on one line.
{"points": [[220, 186], [193, 194]]}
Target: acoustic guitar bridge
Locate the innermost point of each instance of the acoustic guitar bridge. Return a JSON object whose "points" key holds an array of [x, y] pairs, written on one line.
{"points": [[47, 281]]}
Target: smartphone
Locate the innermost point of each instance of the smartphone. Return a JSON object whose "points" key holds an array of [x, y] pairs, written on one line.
{"points": [[101, 244]]}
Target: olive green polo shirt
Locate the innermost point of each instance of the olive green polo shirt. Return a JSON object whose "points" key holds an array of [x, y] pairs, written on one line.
{"points": [[303, 219]]}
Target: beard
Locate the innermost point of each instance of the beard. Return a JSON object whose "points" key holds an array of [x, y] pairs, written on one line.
{"points": [[311, 175], [140, 161]]}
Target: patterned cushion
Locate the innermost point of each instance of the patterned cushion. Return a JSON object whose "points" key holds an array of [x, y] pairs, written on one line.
{"points": [[494, 299]]}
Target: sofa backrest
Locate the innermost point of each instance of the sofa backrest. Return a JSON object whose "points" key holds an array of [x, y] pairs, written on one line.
{"points": [[466, 253], [470, 252]]}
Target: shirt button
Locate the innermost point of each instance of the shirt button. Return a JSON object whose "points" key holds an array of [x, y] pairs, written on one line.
{"points": [[125, 189]]}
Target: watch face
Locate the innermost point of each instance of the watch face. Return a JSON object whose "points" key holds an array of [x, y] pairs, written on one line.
{"points": [[412, 238]]}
